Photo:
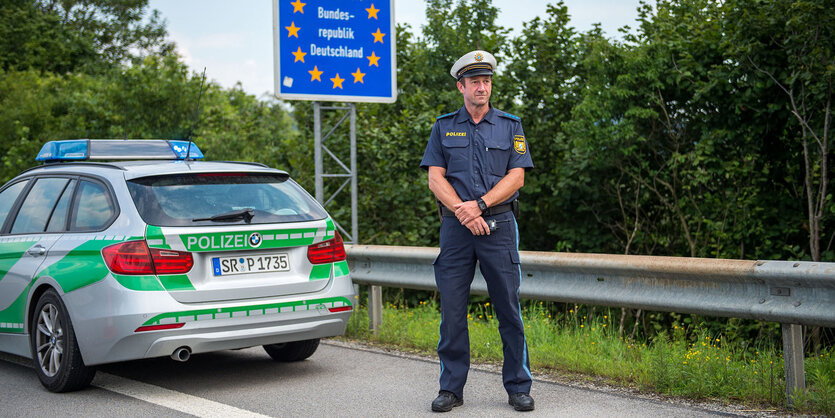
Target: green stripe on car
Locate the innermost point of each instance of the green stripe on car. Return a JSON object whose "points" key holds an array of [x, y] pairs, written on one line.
{"points": [[12, 252], [155, 238], [245, 311], [340, 268], [11, 318], [176, 282], [240, 240], [83, 265], [321, 271], [141, 283]]}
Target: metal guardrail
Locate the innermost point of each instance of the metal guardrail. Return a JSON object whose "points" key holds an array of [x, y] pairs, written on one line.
{"points": [[791, 293]]}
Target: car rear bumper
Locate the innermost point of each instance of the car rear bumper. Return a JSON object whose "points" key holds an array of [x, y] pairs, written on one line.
{"points": [[106, 318], [245, 335]]}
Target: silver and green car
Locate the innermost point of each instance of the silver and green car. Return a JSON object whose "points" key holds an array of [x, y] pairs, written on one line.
{"points": [[161, 255]]}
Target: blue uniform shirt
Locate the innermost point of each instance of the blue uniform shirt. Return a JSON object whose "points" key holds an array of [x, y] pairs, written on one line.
{"points": [[477, 156]]}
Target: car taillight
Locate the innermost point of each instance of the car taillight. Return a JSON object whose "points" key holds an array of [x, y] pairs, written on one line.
{"points": [[130, 257], [171, 262], [327, 251], [134, 258]]}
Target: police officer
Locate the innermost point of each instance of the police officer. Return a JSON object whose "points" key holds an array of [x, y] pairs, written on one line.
{"points": [[476, 158]]}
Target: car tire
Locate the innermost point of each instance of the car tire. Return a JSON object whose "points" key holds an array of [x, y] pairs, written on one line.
{"points": [[293, 351], [55, 354]]}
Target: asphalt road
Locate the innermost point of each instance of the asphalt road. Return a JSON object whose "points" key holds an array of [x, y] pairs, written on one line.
{"points": [[337, 381]]}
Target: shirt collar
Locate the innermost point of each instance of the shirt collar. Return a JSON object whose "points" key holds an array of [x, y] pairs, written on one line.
{"points": [[491, 115], [464, 116]]}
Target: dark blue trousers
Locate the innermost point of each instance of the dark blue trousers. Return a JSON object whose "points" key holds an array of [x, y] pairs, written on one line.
{"points": [[498, 258]]}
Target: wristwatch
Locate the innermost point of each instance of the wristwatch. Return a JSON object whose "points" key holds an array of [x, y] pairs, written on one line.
{"points": [[481, 205]]}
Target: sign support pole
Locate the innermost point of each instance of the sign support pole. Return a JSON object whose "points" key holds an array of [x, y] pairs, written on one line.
{"points": [[354, 193], [375, 293], [342, 53], [349, 173], [317, 151]]}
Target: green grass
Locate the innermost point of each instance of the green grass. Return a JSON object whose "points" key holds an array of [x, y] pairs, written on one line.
{"points": [[693, 365]]}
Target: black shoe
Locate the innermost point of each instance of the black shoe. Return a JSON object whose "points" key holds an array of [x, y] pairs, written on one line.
{"points": [[521, 401], [446, 401]]}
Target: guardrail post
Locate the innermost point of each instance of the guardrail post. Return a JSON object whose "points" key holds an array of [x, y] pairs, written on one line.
{"points": [[375, 307], [793, 360]]}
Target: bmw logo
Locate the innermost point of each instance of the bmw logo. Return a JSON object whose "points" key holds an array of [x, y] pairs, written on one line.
{"points": [[255, 239]]}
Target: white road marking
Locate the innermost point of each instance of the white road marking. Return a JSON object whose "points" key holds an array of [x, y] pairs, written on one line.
{"points": [[168, 398]]}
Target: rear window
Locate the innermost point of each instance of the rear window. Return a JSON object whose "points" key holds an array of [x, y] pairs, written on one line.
{"points": [[190, 199]]}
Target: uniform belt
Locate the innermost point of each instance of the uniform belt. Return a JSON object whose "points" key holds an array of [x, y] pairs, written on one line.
{"points": [[495, 210]]}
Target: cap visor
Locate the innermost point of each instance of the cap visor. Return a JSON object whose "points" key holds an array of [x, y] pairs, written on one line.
{"points": [[473, 73]]}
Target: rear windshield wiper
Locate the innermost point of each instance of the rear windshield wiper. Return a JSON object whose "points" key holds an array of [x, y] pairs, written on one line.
{"points": [[246, 214]]}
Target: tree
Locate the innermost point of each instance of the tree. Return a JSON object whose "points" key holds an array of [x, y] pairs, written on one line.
{"points": [[789, 47], [547, 75], [78, 35], [155, 98]]}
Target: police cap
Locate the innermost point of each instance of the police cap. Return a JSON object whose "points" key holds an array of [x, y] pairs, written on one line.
{"points": [[474, 63]]}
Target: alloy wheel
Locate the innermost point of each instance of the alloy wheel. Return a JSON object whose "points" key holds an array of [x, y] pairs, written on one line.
{"points": [[49, 339]]}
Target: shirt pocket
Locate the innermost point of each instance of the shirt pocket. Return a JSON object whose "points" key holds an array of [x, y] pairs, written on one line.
{"points": [[498, 156], [457, 151]]}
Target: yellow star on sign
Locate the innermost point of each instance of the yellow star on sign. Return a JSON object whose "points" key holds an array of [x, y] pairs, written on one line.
{"points": [[299, 55], [372, 60], [294, 31], [378, 37], [298, 6], [337, 82], [315, 74], [372, 12], [358, 76]]}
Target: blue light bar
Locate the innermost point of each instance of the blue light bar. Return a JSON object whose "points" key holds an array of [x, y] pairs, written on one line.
{"points": [[181, 147], [117, 149], [75, 149]]}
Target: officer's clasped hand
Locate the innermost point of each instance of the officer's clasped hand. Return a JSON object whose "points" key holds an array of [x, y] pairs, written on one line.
{"points": [[478, 226], [469, 215], [467, 211]]}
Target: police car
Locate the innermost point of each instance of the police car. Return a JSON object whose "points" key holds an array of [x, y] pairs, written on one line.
{"points": [[155, 253]]}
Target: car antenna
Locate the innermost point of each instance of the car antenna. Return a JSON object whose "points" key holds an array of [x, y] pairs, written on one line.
{"points": [[196, 116], [125, 121]]}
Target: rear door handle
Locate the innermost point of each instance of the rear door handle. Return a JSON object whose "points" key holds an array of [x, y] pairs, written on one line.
{"points": [[36, 251]]}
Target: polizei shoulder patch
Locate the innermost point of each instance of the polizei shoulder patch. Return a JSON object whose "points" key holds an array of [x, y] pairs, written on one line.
{"points": [[519, 144]]}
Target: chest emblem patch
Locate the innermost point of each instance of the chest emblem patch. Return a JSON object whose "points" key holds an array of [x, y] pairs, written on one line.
{"points": [[456, 134], [519, 144]]}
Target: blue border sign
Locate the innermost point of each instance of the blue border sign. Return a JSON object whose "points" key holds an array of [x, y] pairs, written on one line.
{"points": [[335, 50]]}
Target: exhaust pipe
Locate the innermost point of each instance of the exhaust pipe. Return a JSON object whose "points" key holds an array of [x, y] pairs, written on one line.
{"points": [[181, 354]]}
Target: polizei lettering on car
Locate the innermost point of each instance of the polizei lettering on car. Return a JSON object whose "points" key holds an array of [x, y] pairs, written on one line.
{"points": [[215, 242]]}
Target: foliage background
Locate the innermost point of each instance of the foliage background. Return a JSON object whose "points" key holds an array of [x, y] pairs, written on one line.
{"points": [[706, 133]]}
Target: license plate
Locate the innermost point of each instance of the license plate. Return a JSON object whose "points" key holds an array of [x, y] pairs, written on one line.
{"points": [[223, 266]]}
